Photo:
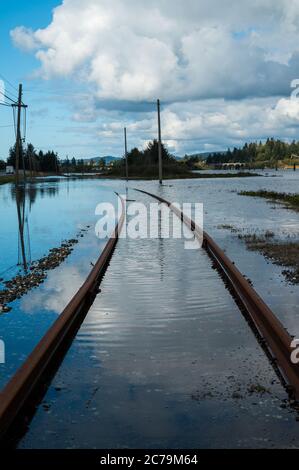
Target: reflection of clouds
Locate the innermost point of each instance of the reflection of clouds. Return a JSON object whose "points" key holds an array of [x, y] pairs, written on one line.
{"points": [[59, 288], [168, 333]]}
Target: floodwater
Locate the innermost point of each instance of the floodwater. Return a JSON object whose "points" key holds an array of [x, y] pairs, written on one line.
{"points": [[53, 211], [164, 358]]}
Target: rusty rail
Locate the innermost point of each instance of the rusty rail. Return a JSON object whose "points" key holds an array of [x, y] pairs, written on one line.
{"points": [[19, 389], [276, 339]]}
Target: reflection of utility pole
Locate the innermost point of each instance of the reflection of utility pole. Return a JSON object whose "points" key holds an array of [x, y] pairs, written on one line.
{"points": [[30, 165], [19, 105], [21, 227], [126, 154], [159, 142]]}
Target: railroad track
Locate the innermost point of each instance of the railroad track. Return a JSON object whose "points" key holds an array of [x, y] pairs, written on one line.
{"points": [[274, 338]]}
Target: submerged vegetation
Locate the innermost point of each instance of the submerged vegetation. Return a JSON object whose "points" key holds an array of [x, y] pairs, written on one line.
{"points": [[6, 179], [22, 283], [282, 253], [291, 200]]}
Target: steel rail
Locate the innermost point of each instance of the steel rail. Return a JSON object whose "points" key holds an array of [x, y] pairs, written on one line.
{"points": [[275, 338], [29, 376]]}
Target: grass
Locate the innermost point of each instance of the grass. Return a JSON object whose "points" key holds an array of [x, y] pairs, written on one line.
{"points": [[291, 200], [170, 172], [6, 179], [282, 253]]}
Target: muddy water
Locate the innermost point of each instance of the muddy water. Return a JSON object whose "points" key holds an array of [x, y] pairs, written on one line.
{"points": [[163, 359]]}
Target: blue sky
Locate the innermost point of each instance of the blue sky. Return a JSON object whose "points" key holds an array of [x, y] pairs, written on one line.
{"points": [[49, 123], [221, 68]]}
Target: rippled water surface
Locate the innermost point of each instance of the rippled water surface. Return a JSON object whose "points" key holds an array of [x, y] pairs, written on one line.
{"points": [[164, 358], [53, 211]]}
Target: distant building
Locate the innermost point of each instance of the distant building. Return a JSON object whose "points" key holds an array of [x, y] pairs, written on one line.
{"points": [[10, 170]]}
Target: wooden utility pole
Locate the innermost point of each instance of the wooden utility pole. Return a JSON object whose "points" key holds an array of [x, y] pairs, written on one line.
{"points": [[19, 105], [126, 154], [159, 143]]}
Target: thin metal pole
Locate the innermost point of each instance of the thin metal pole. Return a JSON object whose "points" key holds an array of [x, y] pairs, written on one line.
{"points": [[159, 143], [126, 154]]}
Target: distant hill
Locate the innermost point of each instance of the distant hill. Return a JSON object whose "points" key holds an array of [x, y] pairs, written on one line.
{"points": [[203, 155], [108, 159]]}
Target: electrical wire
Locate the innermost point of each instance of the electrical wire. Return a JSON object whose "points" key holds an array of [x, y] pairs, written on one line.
{"points": [[7, 97], [9, 83], [14, 121], [8, 269]]}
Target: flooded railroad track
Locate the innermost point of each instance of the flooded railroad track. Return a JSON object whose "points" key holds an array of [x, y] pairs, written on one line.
{"points": [[31, 375], [275, 339]]}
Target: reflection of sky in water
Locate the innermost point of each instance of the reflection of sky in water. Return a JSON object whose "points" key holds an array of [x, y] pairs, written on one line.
{"points": [[163, 359], [160, 332], [54, 210], [70, 205], [222, 205]]}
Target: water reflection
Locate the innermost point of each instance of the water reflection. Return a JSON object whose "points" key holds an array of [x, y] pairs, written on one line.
{"points": [[46, 217], [31, 191], [20, 202], [25, 196], [162, 362]]}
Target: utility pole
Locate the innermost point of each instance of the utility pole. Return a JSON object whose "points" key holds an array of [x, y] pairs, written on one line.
{"points": [[159, 143], [19, 105], [126, 154]]}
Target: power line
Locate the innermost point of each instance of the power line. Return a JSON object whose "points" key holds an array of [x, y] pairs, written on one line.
{"points": [[14, 120], [7, 97], [9, 83]]}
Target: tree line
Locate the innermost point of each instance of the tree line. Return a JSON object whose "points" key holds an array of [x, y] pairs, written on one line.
{"points": [[270, 151], [144, 163], [33, 160], [47, 162]]}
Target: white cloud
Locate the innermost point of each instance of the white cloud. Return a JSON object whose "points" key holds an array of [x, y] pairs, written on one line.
{"points": [[215, 64], [211, 125], [25, 38], [137, 50]]}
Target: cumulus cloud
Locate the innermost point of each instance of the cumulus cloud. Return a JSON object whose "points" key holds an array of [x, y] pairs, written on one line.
{"points": [[212, 125], [137, 50], [215, 64], [24, 38]]}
